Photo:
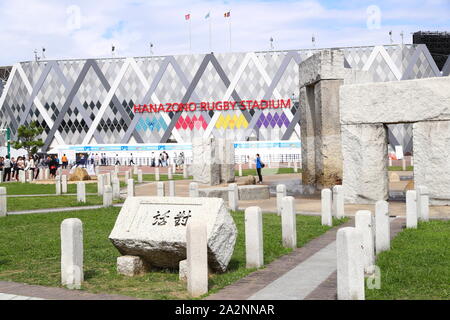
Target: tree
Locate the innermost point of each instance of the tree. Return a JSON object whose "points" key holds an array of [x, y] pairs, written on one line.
{"points": [[28, 138]]}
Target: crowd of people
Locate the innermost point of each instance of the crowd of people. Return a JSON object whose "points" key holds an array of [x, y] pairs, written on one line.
{"points": [[10, 167]]}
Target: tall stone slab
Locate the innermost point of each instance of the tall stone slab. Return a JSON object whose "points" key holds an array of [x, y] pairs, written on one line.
{"points": [[172, 192], [327, 203], [157, 175], [364, 223], [289, 223], [254, 248], [130, 188], [197, 258], [193, 190], [226, 160], [81, 192], [382, 227], [3, 202], [281, 194], [22, 176], [72, 274]]}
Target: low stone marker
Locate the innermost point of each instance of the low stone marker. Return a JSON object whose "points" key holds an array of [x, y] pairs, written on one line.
{"points": [[135, 170], [30, 176], [3, 202], [130, 266], [97, 171], [403, 164], [41, 174], [108, 178], [116, 169], [47, 174], [182, 271], [327, 203], [233, 196], [64, 184], [107, 197], [172, 188], [154, 228], [116, 189], [295, 167], [185, 172], [161, 189], [58, 185], [289, 223], [81, 192], [281, 194], [131, 191], [411, 209], [157, 175], [364, 223], [382, 227], [72, 274], [197, 258], [22, 176], [254, 248], [140, 176], [423, 203], [240, 170], [350, 264], [127, 177], [100, 185], [169, 174], [193, 190], [338, 202]]}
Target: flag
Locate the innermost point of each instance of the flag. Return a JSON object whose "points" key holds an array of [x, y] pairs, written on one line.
{"points": [[187, 16], [227, 14], [208, 15]]}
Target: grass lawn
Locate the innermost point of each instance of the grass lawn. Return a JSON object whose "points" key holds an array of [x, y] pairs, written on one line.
{"points": [[16, 188], [30, 253], [34, 203], [399, 168], [418, 265]]}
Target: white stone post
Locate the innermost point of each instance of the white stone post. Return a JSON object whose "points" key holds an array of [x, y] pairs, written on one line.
{"points": [[157, 176], [240, 170], [100, 185], [411, 209], [47, 174], [41, 174], [135, 170], [131, 191], [289, 223], [160, 191], [390, 162], [233, 197], [412, 161], [185, 172], [327, 203], [127, 177], [281, 194], [295, 167], [140, 176], [72, 274], [404, 164], [193, 190], [64, 184], [364, 223], [382, 227], [338, 202], [197, 258], [116, 189], [350, 265], [172, 188], [250, 164], [81, 192], [58, 185], [22, 176], [107, 197], [254, 249], [169, 173], [97, 171], [30, 176], [1, 176], [116, 169], [108, 178], [3, 202], [423, 203]]}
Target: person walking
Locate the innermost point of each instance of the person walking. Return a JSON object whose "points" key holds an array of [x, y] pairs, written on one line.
{"points": [[259, 166], [7, 169], [65, 161]]}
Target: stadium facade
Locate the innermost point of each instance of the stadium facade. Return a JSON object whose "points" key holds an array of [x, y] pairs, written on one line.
{"points": [[97, 101]]}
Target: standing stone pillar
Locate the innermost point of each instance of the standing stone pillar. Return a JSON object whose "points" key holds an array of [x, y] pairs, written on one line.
{"points": [[157, 176], [169, 174], [100, 185], [81, 192], [160, 189], [64, 184], [116, 169], [254, 248], [382, 227], [193, 190], [140, 176], [22, 176], [3, 202], [350, 265], [41, 174], [281, 194], [172, 188], [338, 202], [135, 169], [47, 174], [108, 178], [233, 197], [197, 258], [289, 223], [250, 164], [127, 177], [411, 209], [423, 203], [240, 170], [58, 185], [363, 223], [116, 189], [97, 171], [404, 164], [107, 197], [72, 274], [131, 191], [295, 167], [185, 172], [30, 176], [390, 162], [327, 203]]}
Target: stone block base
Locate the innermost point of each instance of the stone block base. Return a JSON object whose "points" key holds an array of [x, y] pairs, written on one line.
{"points": [[131, 266], [255, 192]]}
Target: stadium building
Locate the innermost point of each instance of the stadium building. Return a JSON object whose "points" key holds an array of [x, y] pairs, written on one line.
{"points": [[122, 102]]}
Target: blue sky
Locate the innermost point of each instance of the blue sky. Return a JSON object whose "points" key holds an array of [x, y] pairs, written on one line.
{"points": [[87, 28]]}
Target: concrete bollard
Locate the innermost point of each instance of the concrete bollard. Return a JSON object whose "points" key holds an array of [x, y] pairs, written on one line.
{"points": [[281, 193], [185, 172], [116, 189], [97, 171], [233, 197], [41, 174], [289, 223], [169, 174], [107, 197], [364, 223], [116, 169], [250, 165], [81, 192], [47, 174], [254, 248], [108, 178], [30, 176], [197, 258], [22, 176], [127, 177], [423, 203], [64, 184], [412, 161], [140, 176], [382, 227], [160, 189], [411, 209], [193, 190], [350, 264], [135, 170], [100, 185], [338, 202], [327, 203], [58, 185], [172, 188], [404, 164], [1, 176], [72, 274], [3, 202], [157, 176], [131, 191], [240, 170], [295, 167], [390, 162]]}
